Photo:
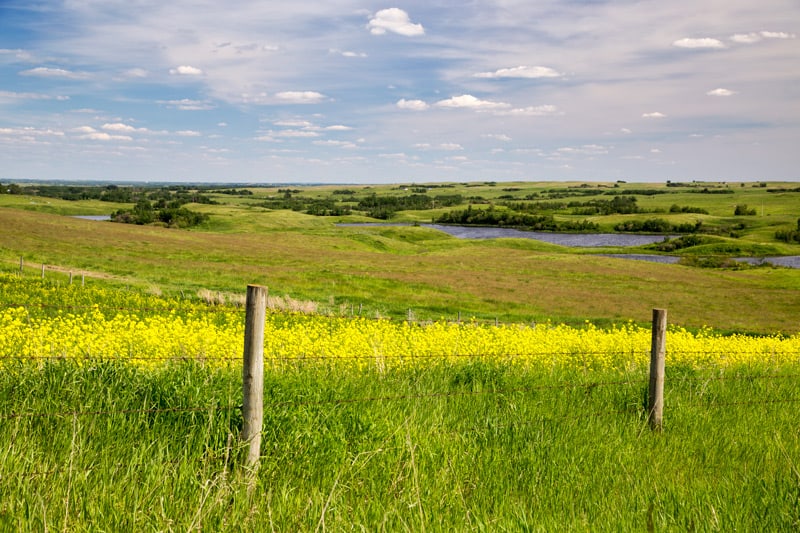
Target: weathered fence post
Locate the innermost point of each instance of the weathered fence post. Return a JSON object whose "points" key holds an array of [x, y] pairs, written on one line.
{"points": [[42, 270], [655, 397], [21, 264], [70, 278], [253, 373]]}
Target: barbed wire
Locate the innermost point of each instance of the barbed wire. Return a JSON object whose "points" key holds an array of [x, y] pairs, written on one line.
{"points": [[392, 398], [638, 411]]}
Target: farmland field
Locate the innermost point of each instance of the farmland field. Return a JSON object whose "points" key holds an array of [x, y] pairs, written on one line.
{"points": [[268, 237], [413, 381]]}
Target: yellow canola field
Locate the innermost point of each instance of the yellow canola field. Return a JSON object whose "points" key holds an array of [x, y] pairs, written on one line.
{"points": [[218, 338]]}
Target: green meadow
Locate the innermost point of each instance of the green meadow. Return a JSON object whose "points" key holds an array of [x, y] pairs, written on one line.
{"points": [[463, 444], [267, 236]]}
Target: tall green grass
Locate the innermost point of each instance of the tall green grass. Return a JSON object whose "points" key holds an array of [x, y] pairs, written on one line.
{"points": [[469, 445]]}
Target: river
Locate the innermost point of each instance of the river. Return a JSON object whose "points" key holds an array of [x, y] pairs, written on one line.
{"points": [[584, 240]]}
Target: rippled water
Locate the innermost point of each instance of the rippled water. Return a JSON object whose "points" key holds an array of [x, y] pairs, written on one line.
{"points": [[585, 240], [580, 240]]}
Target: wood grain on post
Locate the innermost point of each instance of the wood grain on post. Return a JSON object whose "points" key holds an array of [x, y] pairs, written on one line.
{"points": [[655, 397], [253, 373]]}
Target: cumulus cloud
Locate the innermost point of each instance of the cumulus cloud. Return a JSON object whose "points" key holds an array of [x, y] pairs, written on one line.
{"points": [[102, 136], [300, 97], [338, 127], [754, 37], [186, 70], [746, 38], [654, 114], [188, 133], [521, 72], [721, 92], [396, 21], [470, 102], [705, 42], [121, 127], [777, 35], [46, 72], [413, 105]]}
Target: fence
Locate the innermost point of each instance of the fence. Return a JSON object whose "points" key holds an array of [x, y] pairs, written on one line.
{"points": [[253, 401]]}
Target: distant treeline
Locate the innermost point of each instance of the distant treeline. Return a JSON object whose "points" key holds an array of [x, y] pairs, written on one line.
{"points": [[169, 214], [790, 236], [622, 205], [510, 219], [111, 193], [383, 207]]}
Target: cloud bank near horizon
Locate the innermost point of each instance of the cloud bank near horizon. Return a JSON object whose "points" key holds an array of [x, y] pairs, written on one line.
{"points": [[331, 92]]}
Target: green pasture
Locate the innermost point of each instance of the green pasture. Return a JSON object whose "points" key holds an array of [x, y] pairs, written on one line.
{"points": [[466, 446], [391, 270]]}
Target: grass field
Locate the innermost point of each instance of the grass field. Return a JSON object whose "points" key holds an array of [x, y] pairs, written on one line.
{"points": [[387, 271], [121, 411]]}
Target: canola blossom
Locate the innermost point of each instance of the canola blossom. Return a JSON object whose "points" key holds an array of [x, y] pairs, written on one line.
{"points": [[154, 337], [40, 321]]}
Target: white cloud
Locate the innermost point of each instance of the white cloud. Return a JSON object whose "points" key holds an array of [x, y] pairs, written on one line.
{"points": [[654, 114], [120, 127], [413, 105], [31, 132], [721, 92], [705, 42], [338, 144], [188, 133], [347, 53], [46, 72], [102, 136], [754, 37], [186, 70], [294, 133], [338, 127], [531, 111], [521, 72], [300, 97], [586, 149], [746, 38], [30, 96], [188, 105], [84, 129], [470, 102], [443, 146], [777, 35], [396, 21], [135, 73], [497, 136], [293, 123]]}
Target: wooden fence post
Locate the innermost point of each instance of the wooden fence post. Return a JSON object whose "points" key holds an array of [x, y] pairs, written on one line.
{"points": [[253, 373], [655, 397], [21, 264], [42, 270]]}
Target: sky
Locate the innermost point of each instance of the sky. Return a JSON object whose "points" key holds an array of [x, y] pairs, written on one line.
{"points": [[347, 91]]}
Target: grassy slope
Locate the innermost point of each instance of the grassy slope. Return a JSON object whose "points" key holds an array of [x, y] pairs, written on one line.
{"points": [[463, 446], [389, 270]]}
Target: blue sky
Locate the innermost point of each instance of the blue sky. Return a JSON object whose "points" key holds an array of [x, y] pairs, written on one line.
{"points": [[341, 91]]}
